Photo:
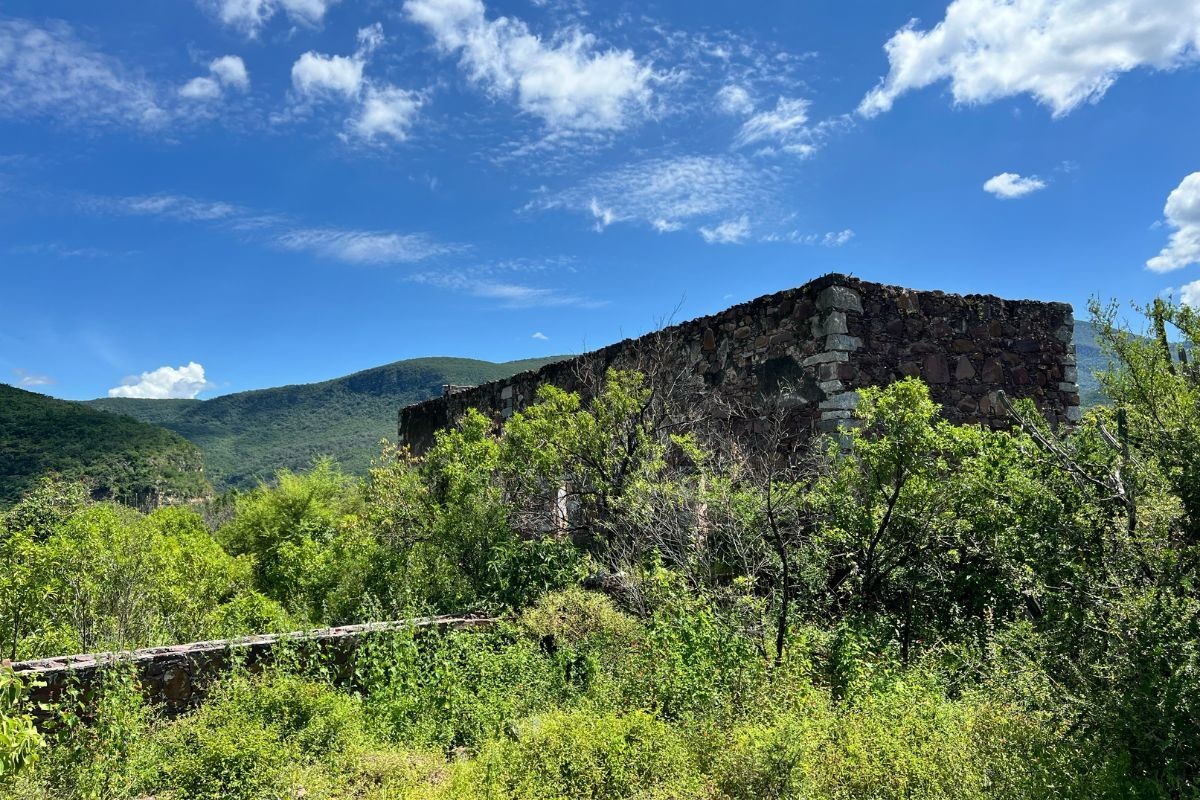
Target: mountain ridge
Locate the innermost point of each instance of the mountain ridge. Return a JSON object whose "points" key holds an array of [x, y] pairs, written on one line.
{"points": [[247, 436]]}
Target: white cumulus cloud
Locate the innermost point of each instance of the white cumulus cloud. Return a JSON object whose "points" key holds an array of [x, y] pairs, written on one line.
{"points": [[231, 72], [314, 73], [540, 336], [226, 72], [568, 81], [164, 383], [1010, 185], [1182, 213], [200, 89], [379, 111], [731, 231], [386, 111], [1062, 52], [249, 16], [1189, 294]]}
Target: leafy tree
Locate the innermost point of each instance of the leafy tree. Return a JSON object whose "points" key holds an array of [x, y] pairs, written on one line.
{"points": [[922, 523], [288, 528]]}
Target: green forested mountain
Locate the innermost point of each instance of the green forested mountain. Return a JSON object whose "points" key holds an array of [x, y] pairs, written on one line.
{"points": [[249, 435], [118, 456], [1091, 361]]}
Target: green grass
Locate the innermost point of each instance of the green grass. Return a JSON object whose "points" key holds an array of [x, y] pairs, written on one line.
{"points": [[247, 436], [120, 457]]}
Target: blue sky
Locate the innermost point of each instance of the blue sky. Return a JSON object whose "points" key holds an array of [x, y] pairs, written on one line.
{"points": [[205, 196]]}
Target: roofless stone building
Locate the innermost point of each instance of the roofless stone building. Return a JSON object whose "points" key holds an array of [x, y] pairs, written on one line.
{"points": [[818, 345]]}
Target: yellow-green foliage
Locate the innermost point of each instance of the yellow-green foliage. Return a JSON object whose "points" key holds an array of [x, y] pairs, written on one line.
{"points": [[581, 754], [902, 740], [107, 577], [575, 617], [20, 741], [258, 738]]}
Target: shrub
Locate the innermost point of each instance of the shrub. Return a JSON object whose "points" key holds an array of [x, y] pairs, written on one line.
{"points": [[901, 740], [578, 618], [456, 690], [259, 737], [20, 741], [98, 738], [581, 754]]}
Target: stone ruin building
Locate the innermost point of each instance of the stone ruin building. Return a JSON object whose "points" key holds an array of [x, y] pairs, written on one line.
{"points": [[819, 344], [815, 346]]}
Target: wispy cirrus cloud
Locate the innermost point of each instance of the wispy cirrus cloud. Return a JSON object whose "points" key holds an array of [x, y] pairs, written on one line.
{"points": [[727, 199], [826, 239], [349, 246], [47, 71], [505, 294], [30, 380], [667, 194], [509, 285], [731, 231], [364, 247], [170, 206], [785, 126], [63, 250]]}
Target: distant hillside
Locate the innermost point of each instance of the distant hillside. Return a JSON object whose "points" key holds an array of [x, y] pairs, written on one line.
{"points": [[249, 435], [1090, 361], [120, 457]]}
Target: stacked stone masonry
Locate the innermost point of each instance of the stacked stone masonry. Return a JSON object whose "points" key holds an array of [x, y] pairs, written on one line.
{"points": [[822, 342]]}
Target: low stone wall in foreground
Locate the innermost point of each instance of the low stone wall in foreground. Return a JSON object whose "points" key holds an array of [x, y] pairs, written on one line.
{"points": [[176, 676]]}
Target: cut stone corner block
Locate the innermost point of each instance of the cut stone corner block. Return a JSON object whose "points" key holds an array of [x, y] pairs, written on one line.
{"points": [[839, 297], [840, 341], [846, 401]]}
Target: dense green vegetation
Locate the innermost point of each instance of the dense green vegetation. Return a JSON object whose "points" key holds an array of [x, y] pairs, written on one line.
{"points": [[248, 436], [915, 610], [115, 456]]}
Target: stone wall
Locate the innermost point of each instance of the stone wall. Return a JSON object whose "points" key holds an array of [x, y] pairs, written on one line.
{"points": [[819, 344], [176, 676]]}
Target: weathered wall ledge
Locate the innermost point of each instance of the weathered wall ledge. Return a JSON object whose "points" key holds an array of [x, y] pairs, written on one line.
{"points": [[176, 676]]}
